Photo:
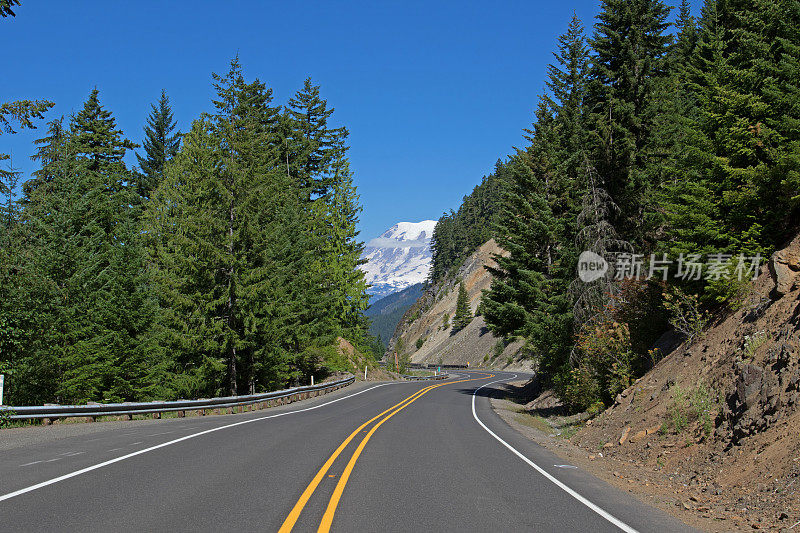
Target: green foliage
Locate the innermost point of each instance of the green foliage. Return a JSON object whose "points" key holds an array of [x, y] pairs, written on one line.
{"points": [[753, 342], [228, 265], [577, 387], [728, 289], [699, 405], [161, 143], [5, 8], [606, 351], [385, 313], [446, 321], [677, 411], [499, 348], [458, 234], [463, 315], [404, 360], [686, 315], [420, 342]]}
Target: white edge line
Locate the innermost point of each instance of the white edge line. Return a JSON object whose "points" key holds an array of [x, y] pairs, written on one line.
{"points": [[164, 444], [614, 520]]}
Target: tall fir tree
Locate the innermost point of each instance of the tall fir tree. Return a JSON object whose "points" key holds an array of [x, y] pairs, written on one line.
{"points": [[88, 258], [463, 314], [224, 233], [161, 143], [311, 146], [629, 64]]}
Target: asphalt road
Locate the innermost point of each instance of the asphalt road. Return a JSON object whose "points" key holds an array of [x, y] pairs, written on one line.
{"points": [[420, 456]]}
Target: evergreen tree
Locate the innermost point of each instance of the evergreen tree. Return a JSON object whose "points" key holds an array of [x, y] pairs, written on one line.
{"points": [[628, 66], [539, 224], [463, 314], [88, 258], [742, 146], [160, 145], [458, 234], [311, 145], [6, 7], [225, 234]]}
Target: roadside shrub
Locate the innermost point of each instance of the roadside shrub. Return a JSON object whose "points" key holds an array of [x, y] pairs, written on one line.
{"points": [[606, 353], [5, 419], [732, 291], [404, 360], [639, 304], [420, 342], [753, 342], [705, 407], [699, 405], [678, 410], [446, 321], [577, 388], [686, 315]]}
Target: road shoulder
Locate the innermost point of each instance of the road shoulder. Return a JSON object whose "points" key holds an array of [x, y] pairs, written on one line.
{"points": [[625, 476]]}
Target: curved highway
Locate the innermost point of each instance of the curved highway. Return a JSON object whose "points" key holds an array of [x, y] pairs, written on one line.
{"points": [[411, 456]]}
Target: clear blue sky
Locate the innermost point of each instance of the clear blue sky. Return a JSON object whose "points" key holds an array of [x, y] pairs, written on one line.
{"points": [[433, 93]]}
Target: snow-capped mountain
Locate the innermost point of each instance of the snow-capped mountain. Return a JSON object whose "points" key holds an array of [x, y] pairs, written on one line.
{"points": [[399, 258]]}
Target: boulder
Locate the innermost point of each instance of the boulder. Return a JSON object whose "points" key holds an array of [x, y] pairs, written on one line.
{"points": [[748, 385], [783, 267]]}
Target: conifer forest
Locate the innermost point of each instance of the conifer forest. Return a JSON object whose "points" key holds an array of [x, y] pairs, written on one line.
{"points": [[226, 260], [665, 139]]}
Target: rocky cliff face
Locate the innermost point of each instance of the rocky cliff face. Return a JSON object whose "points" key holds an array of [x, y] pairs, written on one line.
{"points": [[429, 320]]}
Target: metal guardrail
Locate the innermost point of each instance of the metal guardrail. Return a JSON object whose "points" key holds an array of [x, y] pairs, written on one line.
{"points": [[425, 378], [423, 365], [53, 412]]}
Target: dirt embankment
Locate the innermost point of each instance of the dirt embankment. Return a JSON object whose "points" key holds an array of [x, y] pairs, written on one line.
{"points": [[358, 361], [712, 433], [425, 331]]}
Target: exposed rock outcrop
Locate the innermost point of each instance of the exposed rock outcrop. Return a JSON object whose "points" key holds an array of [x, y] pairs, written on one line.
{"points": [[784, 266], [425, 332]]}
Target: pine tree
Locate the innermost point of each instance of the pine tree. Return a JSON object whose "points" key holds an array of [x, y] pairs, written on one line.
{"points": [[6, 8], [525, 231], [310, 146], [539, 225], [160, 145], [342, 255], [628, 66], [225, 236], [87, 256], [463, 314]]}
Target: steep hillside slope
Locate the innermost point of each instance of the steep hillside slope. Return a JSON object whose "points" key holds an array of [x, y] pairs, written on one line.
{"points": [[429, 321], [713, 431], [386, 312]]}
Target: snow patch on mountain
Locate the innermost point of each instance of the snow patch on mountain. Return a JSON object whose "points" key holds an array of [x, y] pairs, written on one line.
{"points": [[399, 258]]}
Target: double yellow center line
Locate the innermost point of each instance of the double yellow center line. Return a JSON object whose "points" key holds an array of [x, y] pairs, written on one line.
{"points": [[327, 518]]}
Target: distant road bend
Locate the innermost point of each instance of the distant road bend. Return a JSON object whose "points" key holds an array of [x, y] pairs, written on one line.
{"points": [[411, 456]]}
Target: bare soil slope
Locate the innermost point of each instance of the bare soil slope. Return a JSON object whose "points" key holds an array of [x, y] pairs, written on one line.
{"points": [[739, 468], [475, 344]]}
